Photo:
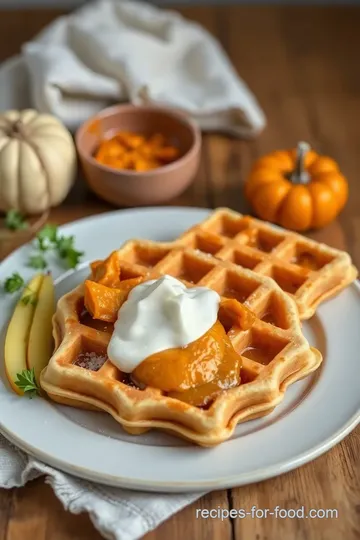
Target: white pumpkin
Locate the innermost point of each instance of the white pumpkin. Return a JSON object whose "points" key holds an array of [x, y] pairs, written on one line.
{"points": [[37, 161]]}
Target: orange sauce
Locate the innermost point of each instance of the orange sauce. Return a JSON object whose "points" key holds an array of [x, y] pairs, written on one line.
{"points": [[195, 373]]}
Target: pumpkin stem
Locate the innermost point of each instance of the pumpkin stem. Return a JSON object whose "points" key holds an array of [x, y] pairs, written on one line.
{"points": [[17, 130], [300, 175]]}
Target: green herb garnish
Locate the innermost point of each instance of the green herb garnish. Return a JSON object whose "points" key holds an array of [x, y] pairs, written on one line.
{"points": [[37, 261], [47, 237], [27, 383], [29, 299], [73, 257], [15, 221], [13, 283], [65, 249], [64, 244]]}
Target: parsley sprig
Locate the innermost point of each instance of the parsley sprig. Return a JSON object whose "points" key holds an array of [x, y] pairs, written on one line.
{"points": [[16, 282], [15, 221], [66, 251], [29, 298], [48, 239], [27, 383], [37, 261], [13, 283]]}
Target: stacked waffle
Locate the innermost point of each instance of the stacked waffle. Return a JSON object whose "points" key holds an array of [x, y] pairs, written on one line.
{"points": [[240, 258], [308, 271]]}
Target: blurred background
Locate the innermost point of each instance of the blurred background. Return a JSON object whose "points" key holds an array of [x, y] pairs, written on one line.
{"points": [[74, 3], [298, 59]]}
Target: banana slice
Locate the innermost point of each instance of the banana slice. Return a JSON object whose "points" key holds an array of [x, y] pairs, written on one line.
{"points": [[40, 344], [17, 336]]}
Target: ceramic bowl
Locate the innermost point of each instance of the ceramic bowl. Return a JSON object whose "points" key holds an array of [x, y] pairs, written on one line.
{"points": [[131, 188]]}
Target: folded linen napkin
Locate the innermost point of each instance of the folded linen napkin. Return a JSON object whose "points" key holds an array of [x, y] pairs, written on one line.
{"points": [[115, 50], [118, 514]]}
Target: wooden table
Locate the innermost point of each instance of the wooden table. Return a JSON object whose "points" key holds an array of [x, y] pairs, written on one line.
{"points": [[302, 63]]}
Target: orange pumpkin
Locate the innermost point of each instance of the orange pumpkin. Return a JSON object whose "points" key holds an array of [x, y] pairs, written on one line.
{"points": [[297, 189]]}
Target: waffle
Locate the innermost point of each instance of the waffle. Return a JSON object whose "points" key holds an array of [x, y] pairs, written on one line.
{"points": [[310, 272], [274, 352]]}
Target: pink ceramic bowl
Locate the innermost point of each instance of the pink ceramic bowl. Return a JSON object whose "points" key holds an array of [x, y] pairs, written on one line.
{"points": [[131, 188]]}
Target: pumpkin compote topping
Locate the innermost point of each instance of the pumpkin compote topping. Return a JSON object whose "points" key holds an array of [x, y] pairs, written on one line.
{"points": [[193, 371]]}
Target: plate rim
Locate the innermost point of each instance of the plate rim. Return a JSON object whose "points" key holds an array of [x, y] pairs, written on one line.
{"points": [[171, 486], [183, 487]]}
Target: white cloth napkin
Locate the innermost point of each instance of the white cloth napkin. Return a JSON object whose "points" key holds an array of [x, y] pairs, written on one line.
{"points": [[118, 514], [115, 50]]}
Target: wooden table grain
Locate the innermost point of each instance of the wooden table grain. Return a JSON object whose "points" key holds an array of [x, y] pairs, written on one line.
{"points": [[302, 63]]}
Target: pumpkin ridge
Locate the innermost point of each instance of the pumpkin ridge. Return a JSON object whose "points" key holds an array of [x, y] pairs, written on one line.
{"points": [[331, 180], [5, 145], [60, 138], [258, 185], [321, 218], [2, 149], [9, 125], [281, 205], [267, 205], [297, 209], [19, 190], [35, 130], [46, 174], [32, 121]]}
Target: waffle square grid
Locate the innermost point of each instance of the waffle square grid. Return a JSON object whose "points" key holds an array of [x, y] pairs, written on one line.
{"points": [[284, 353], [307, 270]]}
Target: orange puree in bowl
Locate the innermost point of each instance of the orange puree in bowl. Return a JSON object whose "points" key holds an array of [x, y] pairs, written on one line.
{"points": [[133, 151]]}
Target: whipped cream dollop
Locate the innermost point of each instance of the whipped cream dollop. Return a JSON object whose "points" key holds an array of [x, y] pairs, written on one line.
{"points": [[160, 314]]}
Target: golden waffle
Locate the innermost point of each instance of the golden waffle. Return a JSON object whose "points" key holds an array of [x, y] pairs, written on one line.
{"points": [[308, 271], [274, 351]]}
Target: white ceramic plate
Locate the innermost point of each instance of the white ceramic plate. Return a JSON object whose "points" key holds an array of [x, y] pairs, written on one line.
{"points": [[315, 414]]}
